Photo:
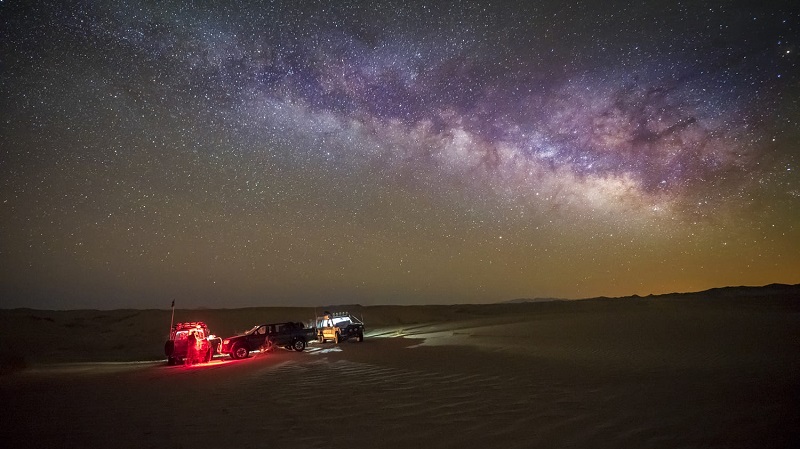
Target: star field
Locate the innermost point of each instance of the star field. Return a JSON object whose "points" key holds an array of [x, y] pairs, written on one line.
{"points": [[284, 153]]}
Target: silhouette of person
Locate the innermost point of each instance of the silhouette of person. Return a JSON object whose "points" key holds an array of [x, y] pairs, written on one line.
{"points": [[191, 348]]}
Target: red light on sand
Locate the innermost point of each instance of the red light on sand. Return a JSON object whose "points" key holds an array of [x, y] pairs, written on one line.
{"points": [[201, 364], [212, 364]]}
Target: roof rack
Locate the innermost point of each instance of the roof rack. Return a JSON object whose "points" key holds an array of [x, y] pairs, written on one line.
{"points": [[332, 315], [188, 325]]}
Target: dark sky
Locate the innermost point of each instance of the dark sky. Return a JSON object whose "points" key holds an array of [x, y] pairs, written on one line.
{"points": [[228, 154]]}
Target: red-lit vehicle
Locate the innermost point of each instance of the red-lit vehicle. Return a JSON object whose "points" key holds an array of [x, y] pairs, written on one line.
{"points": [[177, 347]]}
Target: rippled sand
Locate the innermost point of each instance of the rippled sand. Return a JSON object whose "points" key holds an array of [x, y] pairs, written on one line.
{"points": [[603, 373]]}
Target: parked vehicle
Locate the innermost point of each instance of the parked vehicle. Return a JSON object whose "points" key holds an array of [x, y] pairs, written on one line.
{"points": [[177, 347], [289, 335], [338, 327]]}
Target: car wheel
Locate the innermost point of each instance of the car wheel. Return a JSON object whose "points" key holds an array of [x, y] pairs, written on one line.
{"points": [[321, 339], [209, 355], [170, 361], [336, 338], [299, 345], [360, 337], [239, 351]]}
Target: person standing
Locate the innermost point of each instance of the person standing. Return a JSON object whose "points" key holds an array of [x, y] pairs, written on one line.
{"points": [[191, 348]]}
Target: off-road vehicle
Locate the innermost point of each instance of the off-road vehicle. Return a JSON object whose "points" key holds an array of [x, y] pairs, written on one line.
{"points": [[177, 347], [338, 327], [289, 335]]}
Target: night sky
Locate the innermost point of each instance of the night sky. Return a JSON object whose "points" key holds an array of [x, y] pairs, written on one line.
{"points": [[228, 154]]}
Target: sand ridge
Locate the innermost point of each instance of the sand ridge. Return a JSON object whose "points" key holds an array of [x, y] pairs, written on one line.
{"points": [[596, 374]]}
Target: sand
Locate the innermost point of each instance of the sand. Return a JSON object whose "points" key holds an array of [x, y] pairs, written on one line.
{"points": [[653, 373]]}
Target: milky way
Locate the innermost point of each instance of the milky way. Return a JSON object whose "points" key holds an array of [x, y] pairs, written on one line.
{"points": [[277, 153]]}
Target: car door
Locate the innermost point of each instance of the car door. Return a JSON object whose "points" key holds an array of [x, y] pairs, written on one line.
{"points": [[256, 339], [279, 336]]}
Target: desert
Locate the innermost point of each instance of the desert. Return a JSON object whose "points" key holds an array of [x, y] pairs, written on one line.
{"points": [[712, 369], [564, 224]]}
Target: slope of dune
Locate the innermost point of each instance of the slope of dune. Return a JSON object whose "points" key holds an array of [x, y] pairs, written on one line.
{"points": [[647, 372]]}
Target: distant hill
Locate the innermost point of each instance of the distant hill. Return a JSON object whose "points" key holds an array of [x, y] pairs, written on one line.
{"points": [[738, 292], [770, 290], [521, 300]]}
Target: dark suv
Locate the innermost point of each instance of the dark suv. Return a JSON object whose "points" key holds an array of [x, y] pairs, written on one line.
{"points": [[289, 335]]}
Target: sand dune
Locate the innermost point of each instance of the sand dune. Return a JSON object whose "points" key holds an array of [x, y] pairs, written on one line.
{"points": [[601, 373]]}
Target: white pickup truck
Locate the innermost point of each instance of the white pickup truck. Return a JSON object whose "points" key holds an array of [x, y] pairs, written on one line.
{"points": [[338, 327]]}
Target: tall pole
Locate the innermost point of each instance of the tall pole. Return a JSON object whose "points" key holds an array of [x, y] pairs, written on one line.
{"points": [[172, 320]]}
